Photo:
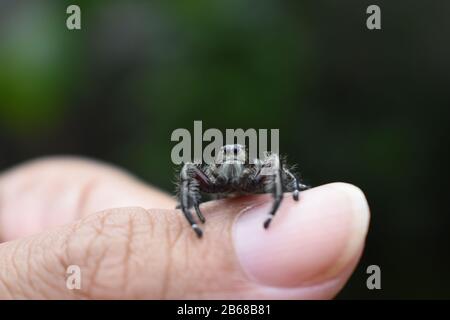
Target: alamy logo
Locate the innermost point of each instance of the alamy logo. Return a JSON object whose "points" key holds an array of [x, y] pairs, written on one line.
{"points": [[255, 141], [73, 281], [374, 280], [374, 20], [73, 21]]}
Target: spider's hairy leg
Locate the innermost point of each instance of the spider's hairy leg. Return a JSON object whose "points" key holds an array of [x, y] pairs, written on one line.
{"points": [[192, 179], [295, 186], [197, 210], [277, 189], [187, 196], [199, 213]]}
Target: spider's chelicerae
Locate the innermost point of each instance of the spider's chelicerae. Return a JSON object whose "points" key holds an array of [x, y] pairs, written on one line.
{"points": [[232, 174]]}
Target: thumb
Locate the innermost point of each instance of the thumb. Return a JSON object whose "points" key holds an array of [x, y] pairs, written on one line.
{"points": [[308, 252]]}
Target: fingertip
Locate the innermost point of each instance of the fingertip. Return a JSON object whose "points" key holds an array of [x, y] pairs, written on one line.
{"points": [[311, 240], [359, 205]]}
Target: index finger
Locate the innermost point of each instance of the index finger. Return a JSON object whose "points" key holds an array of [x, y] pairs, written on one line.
{"points": [[54, 191]]}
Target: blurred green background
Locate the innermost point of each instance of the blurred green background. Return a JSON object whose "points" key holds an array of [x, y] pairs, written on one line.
{"points": [[365, 107]]}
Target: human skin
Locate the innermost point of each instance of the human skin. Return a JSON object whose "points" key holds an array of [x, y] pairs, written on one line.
{"points": [[130, 242]]}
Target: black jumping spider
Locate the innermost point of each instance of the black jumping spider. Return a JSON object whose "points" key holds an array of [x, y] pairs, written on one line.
{"points": [[232, 174]]}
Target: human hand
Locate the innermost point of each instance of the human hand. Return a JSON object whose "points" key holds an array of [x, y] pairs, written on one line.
{"points": [[48, 221]]}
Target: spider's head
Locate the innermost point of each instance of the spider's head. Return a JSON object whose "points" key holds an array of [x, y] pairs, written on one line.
{"points": [[230, 161], [231, 154]]}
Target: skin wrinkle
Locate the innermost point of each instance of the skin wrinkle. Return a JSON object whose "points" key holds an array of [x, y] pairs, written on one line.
{"points": [[85, 193], [104, 239], [92, 282], [5, 283], [166, 275], [63, 257], [29, 267], [99, 231], [8, 290], [66, 259], [18, 276], [170, 245], [151, 223], [130, 242], [128, 251], [173, 234], [54, 257], [45, 282], [183, 244], [15, 267], [69, 240]]}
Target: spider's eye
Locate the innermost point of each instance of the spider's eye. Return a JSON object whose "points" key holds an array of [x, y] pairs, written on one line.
{"points": [[235, 150]]}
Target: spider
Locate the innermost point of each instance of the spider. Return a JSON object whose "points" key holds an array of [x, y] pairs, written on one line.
{"points": [[230, 175]]}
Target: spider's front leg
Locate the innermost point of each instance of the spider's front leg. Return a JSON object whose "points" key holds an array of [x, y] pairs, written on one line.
{"points": [[295, 186], [191, 179], [276, 184]]}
